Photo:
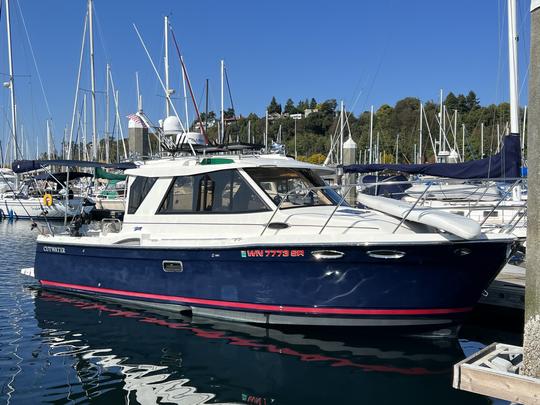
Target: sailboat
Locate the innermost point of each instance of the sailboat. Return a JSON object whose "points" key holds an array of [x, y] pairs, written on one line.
{"points": [[500, 206]]}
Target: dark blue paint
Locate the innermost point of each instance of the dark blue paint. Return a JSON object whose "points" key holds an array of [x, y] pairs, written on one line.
{"points": [[427, 277]]}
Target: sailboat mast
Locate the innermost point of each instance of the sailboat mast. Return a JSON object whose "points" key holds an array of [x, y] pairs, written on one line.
{"points": [[166, 63], [93, 81], [12, 85], [420, 134], [342, 130], [513, 67], [222, 134], [107, 116], [185, 93], [371, 136]]}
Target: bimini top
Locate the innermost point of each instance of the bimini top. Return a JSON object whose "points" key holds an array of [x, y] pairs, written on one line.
{"points": [[23, 166], [190, 165], [505, 164]]}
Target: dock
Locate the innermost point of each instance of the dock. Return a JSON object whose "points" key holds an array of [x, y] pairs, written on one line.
{"points": [[508, 289]]}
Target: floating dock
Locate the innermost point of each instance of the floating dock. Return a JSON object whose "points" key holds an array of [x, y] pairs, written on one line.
{"points": [[508, 289], [495, 371]]}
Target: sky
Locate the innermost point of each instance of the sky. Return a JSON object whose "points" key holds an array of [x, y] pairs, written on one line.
{"points": [[364, 53]]}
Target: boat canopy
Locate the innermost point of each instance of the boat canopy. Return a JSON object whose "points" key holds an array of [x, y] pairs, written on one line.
{"points": [[505, 164], [23, 166], [102, 174], [61, 177]]}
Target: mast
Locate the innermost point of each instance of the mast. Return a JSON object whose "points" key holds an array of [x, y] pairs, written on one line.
{"points": [[222, 134], [16, 154], [206, 109], [49, 154], [107, 117], [166, 63], [513, 67], [139, 97], [420, 134], [74, 113], [342, 130], [266, 133], [85, 129], [371, 137], [440, 126], [185, 94], [463, 142], [482, 140], [93, 81]]}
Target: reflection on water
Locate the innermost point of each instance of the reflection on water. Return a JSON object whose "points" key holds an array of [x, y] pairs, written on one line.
{"points": [[60, 348]]}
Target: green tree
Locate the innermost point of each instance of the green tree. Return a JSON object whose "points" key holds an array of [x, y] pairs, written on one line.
{"points": [[329, 106], [313, 104], [451, 102], [290, 108], [274, 107], [472, 101]]}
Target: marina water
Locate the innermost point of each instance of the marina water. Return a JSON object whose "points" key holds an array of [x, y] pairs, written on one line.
{"points": [[58, 348]]}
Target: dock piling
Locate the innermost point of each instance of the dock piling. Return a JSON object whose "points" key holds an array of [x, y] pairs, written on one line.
{"points": [[531, 333]]}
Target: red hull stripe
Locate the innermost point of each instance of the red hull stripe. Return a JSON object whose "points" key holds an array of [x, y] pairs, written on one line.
{"points": [[260, 307]]}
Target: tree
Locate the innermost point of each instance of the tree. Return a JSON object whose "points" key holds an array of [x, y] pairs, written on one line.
{"points": [[274, 107], [290, 108], [329, 106], [229, 113], [313, 104], [472, 101], [302, 106], [451, 102], [462, 104]]}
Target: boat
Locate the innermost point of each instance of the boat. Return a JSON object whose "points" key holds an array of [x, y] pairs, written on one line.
{"points": [[262, 239], [45, 195]]}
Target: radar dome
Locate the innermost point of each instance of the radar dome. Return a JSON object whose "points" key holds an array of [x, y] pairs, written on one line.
{"points": [[172, 126]]}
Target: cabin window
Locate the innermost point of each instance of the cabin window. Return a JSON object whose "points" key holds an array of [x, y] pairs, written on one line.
{"points": [[223, 191], [140, 187], [293, 187]]}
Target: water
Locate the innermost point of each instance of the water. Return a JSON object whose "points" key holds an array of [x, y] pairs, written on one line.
{"points": [[63, 349]]}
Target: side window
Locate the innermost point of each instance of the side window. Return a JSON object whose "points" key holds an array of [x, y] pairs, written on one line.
{"points": [[140, 187], [223, 191]]}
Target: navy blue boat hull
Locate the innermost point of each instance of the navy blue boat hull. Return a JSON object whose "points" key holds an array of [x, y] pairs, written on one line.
{"points": [[429, 284]]}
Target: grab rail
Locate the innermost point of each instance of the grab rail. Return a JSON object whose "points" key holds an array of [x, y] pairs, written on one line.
{"points": [[412, 208]]}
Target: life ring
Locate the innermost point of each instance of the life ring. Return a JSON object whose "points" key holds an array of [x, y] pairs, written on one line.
{"points": [[47, 200]]}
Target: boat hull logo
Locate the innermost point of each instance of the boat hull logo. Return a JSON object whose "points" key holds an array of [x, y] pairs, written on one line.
{"points": [[54, 249]]}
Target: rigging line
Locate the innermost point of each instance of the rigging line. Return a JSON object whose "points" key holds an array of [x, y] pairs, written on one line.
{"points": [[229, 90], [34, 59], [100, 32], [188, 83]]}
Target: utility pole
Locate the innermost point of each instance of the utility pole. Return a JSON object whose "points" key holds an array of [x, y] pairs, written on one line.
{"points": [[531, 333]]}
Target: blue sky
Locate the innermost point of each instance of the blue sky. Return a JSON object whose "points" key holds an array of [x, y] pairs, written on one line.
{"points": [[362, 52]]}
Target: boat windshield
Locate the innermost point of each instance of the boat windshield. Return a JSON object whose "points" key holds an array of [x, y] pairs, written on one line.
{"points": [[293, 187]]}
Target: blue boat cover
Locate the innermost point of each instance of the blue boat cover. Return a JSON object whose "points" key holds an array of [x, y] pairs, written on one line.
{"points": [[23, 166], [505, 164]]}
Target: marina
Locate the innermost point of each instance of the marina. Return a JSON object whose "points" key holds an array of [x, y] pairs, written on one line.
{"points": [[184, 250]]}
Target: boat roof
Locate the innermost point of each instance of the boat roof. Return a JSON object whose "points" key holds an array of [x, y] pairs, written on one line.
{"points": [[191, 165]]}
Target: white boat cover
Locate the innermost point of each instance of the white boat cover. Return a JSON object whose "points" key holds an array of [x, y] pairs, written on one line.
{"points": [[458, 225]]}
